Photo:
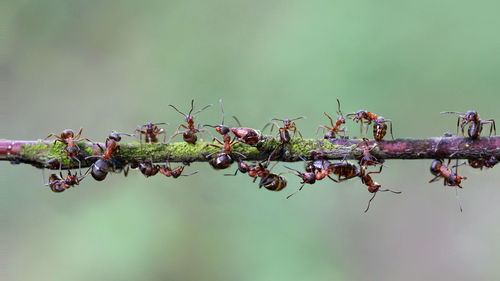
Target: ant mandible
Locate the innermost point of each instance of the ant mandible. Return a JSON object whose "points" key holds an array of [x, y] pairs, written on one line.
{"points": [[151, 132], [189, 134], [373, 187], [335, 129], [440, 170], [288, 124], [70, 140], [476, 124], [379, 123]]}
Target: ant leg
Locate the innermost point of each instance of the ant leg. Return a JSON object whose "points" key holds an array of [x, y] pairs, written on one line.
{"points": [[242, 155], [331, 120], [317, 130], [369, 201], [458, 124], [458, 198], [78, 134], [208, 156], [333, 179], [232, 175], [295, 191], [492, 125], [53, 135], [390, 121], [175, 134], [298, 133], [379, 171], [366, 131]]}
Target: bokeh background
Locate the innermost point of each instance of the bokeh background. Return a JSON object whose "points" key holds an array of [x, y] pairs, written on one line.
{"points": [[113, 65]]}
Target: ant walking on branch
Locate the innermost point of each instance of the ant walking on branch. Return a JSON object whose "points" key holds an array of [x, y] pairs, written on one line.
{"points": [[151, 132], [472, 119], [70, 140], [288, 124], [189, 134], [379, 123], [335, 129]]}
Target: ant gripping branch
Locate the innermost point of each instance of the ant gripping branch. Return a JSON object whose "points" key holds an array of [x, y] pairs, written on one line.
{"points": [[368, 159], [479, 163], [335, 129], [60, 184], [151, 132], [288, 124], [472, 119], [189, 134], [373, 187], [69, 139], [222, 158], [379, 123], [307, 178], [100, 168], [167, 171], [439, 170], [246, 135]]}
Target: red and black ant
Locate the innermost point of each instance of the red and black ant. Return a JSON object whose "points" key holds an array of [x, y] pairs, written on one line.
{"points": [[476, 124], [222, 158], [246, 135], [100, 168], [60, 184], [335, 129], [307, 178], [189, 134], [151, 132], [373, 187], [72, 149], [149, 169], [167, 171], [344, 170], [440, 170], [288, 124], [379, 123], [368, 159]]}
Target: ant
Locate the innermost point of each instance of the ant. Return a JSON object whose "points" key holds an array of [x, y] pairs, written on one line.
{"points": [[335, 129], [288, 124], [439, 170], [149, 169], [476, 124], [479, 163], [100, 168], [344, 169], [222, 159], [175, 173], [151, 132], [189, 134], [69, 139], [307, 178], [246, 135], [368, 159], [373, 187], [60, 184], [379, 123]]}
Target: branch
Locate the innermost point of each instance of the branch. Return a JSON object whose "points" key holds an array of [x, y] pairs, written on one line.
{"points": [[44, 154]]}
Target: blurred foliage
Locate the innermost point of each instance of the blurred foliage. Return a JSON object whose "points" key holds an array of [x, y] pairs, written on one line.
{"points": [[106, 65]]}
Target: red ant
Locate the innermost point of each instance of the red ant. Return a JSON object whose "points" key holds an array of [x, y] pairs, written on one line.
{"points": [[379, 123], [307, 178], [246, 135], [100, 168], [60, 184], [190, 134], [335, 129], [69, 139], [476, 124], [175, 173], [151, 132], [288, 124], [439, 170], [344, 170], [222, 159], [373, 187], [368, 159]]}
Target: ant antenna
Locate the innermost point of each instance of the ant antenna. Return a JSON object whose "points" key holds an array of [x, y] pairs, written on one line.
{"points": [[339, 111], [222, 109], [369, 201], [192, 107], [177, 110], [237, 121]]}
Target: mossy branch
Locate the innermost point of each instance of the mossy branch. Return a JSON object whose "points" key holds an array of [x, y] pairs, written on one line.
{"points": [[44, 154]]}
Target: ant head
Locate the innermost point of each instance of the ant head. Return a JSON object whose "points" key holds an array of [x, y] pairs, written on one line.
{"points": [[115, 136], [308, 177], [471, 116], [67, 133], [374, 187], [287, 122], [148, 125], [221, 129], [341, 119]]}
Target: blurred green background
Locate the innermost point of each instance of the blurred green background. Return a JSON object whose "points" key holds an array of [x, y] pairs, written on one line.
{"points": [[113, 65]]}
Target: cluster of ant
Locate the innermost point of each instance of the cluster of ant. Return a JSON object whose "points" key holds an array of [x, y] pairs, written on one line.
{"points": [[316, 169]]}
